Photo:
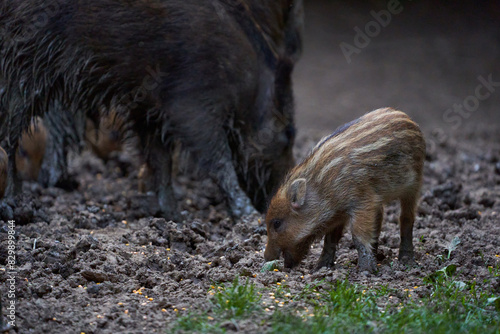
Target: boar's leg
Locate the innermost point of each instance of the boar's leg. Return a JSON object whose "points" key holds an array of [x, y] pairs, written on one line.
{"points": [[160, 160], [204, 134], [223, 173], [14, 183], [363, 231], [327, 258], [10, 130], [13, 187], [220, 168], [408, 208], [14, 129], [54, 169], [66, 131], [211, 150]]}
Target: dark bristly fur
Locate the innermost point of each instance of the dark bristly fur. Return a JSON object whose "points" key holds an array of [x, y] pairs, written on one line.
{"points": [[214, 75], [345, 181]]}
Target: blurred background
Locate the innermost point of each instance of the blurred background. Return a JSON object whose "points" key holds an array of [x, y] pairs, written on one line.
{"points": [[425, 60]]}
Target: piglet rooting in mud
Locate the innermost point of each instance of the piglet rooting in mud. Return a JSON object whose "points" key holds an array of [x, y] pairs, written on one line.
{"points": [[31, 150], [107, 137], [345, 181]]}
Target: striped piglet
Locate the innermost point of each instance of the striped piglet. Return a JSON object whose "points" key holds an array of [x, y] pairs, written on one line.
{"points": [[346, 180]]}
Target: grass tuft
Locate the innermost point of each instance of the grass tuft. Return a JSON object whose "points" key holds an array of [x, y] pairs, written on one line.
{"points": [[443, 305], [236, 300]]}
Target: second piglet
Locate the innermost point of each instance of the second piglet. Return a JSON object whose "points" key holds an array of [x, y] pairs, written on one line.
{"points": [[345, 181]]}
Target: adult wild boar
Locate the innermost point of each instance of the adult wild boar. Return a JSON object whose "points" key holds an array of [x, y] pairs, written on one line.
{"points": [[212, 75]]}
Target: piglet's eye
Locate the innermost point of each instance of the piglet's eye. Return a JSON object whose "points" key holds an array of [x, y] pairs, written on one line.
{"points": [[276, 223]]}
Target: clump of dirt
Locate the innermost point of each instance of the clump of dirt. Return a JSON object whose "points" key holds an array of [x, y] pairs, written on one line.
{"points": [[100, 260]]}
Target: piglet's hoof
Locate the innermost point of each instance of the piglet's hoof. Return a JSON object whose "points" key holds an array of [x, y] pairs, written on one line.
{"points": [[319, 268], [327, 263], [367, 264], [407, 258]]}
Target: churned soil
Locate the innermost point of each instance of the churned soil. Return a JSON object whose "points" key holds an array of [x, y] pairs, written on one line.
{"points": [[96, 260], [100, 260]]}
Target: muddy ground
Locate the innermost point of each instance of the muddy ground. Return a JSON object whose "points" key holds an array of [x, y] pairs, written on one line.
{"points": [[97, 260]]}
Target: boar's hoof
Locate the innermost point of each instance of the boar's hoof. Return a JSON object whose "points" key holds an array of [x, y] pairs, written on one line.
{"points": [[68, 183], [52, 177], [170, 214], [6, 210]]}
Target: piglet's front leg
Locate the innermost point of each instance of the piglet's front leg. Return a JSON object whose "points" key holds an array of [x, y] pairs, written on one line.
{"points": [[327, 258]]}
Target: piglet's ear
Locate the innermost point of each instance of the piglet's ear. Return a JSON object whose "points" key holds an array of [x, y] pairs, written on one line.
{"points": [[297, 193]]}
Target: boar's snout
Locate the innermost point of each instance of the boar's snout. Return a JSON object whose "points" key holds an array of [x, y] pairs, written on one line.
{"points": [[266, 173]]}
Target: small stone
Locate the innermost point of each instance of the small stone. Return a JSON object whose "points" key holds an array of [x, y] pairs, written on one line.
{"points": [[270, 266], [93, 289]]}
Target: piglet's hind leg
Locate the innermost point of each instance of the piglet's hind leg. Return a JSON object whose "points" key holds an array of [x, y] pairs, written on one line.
{"points": [[363, 232], [406, 220]]}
